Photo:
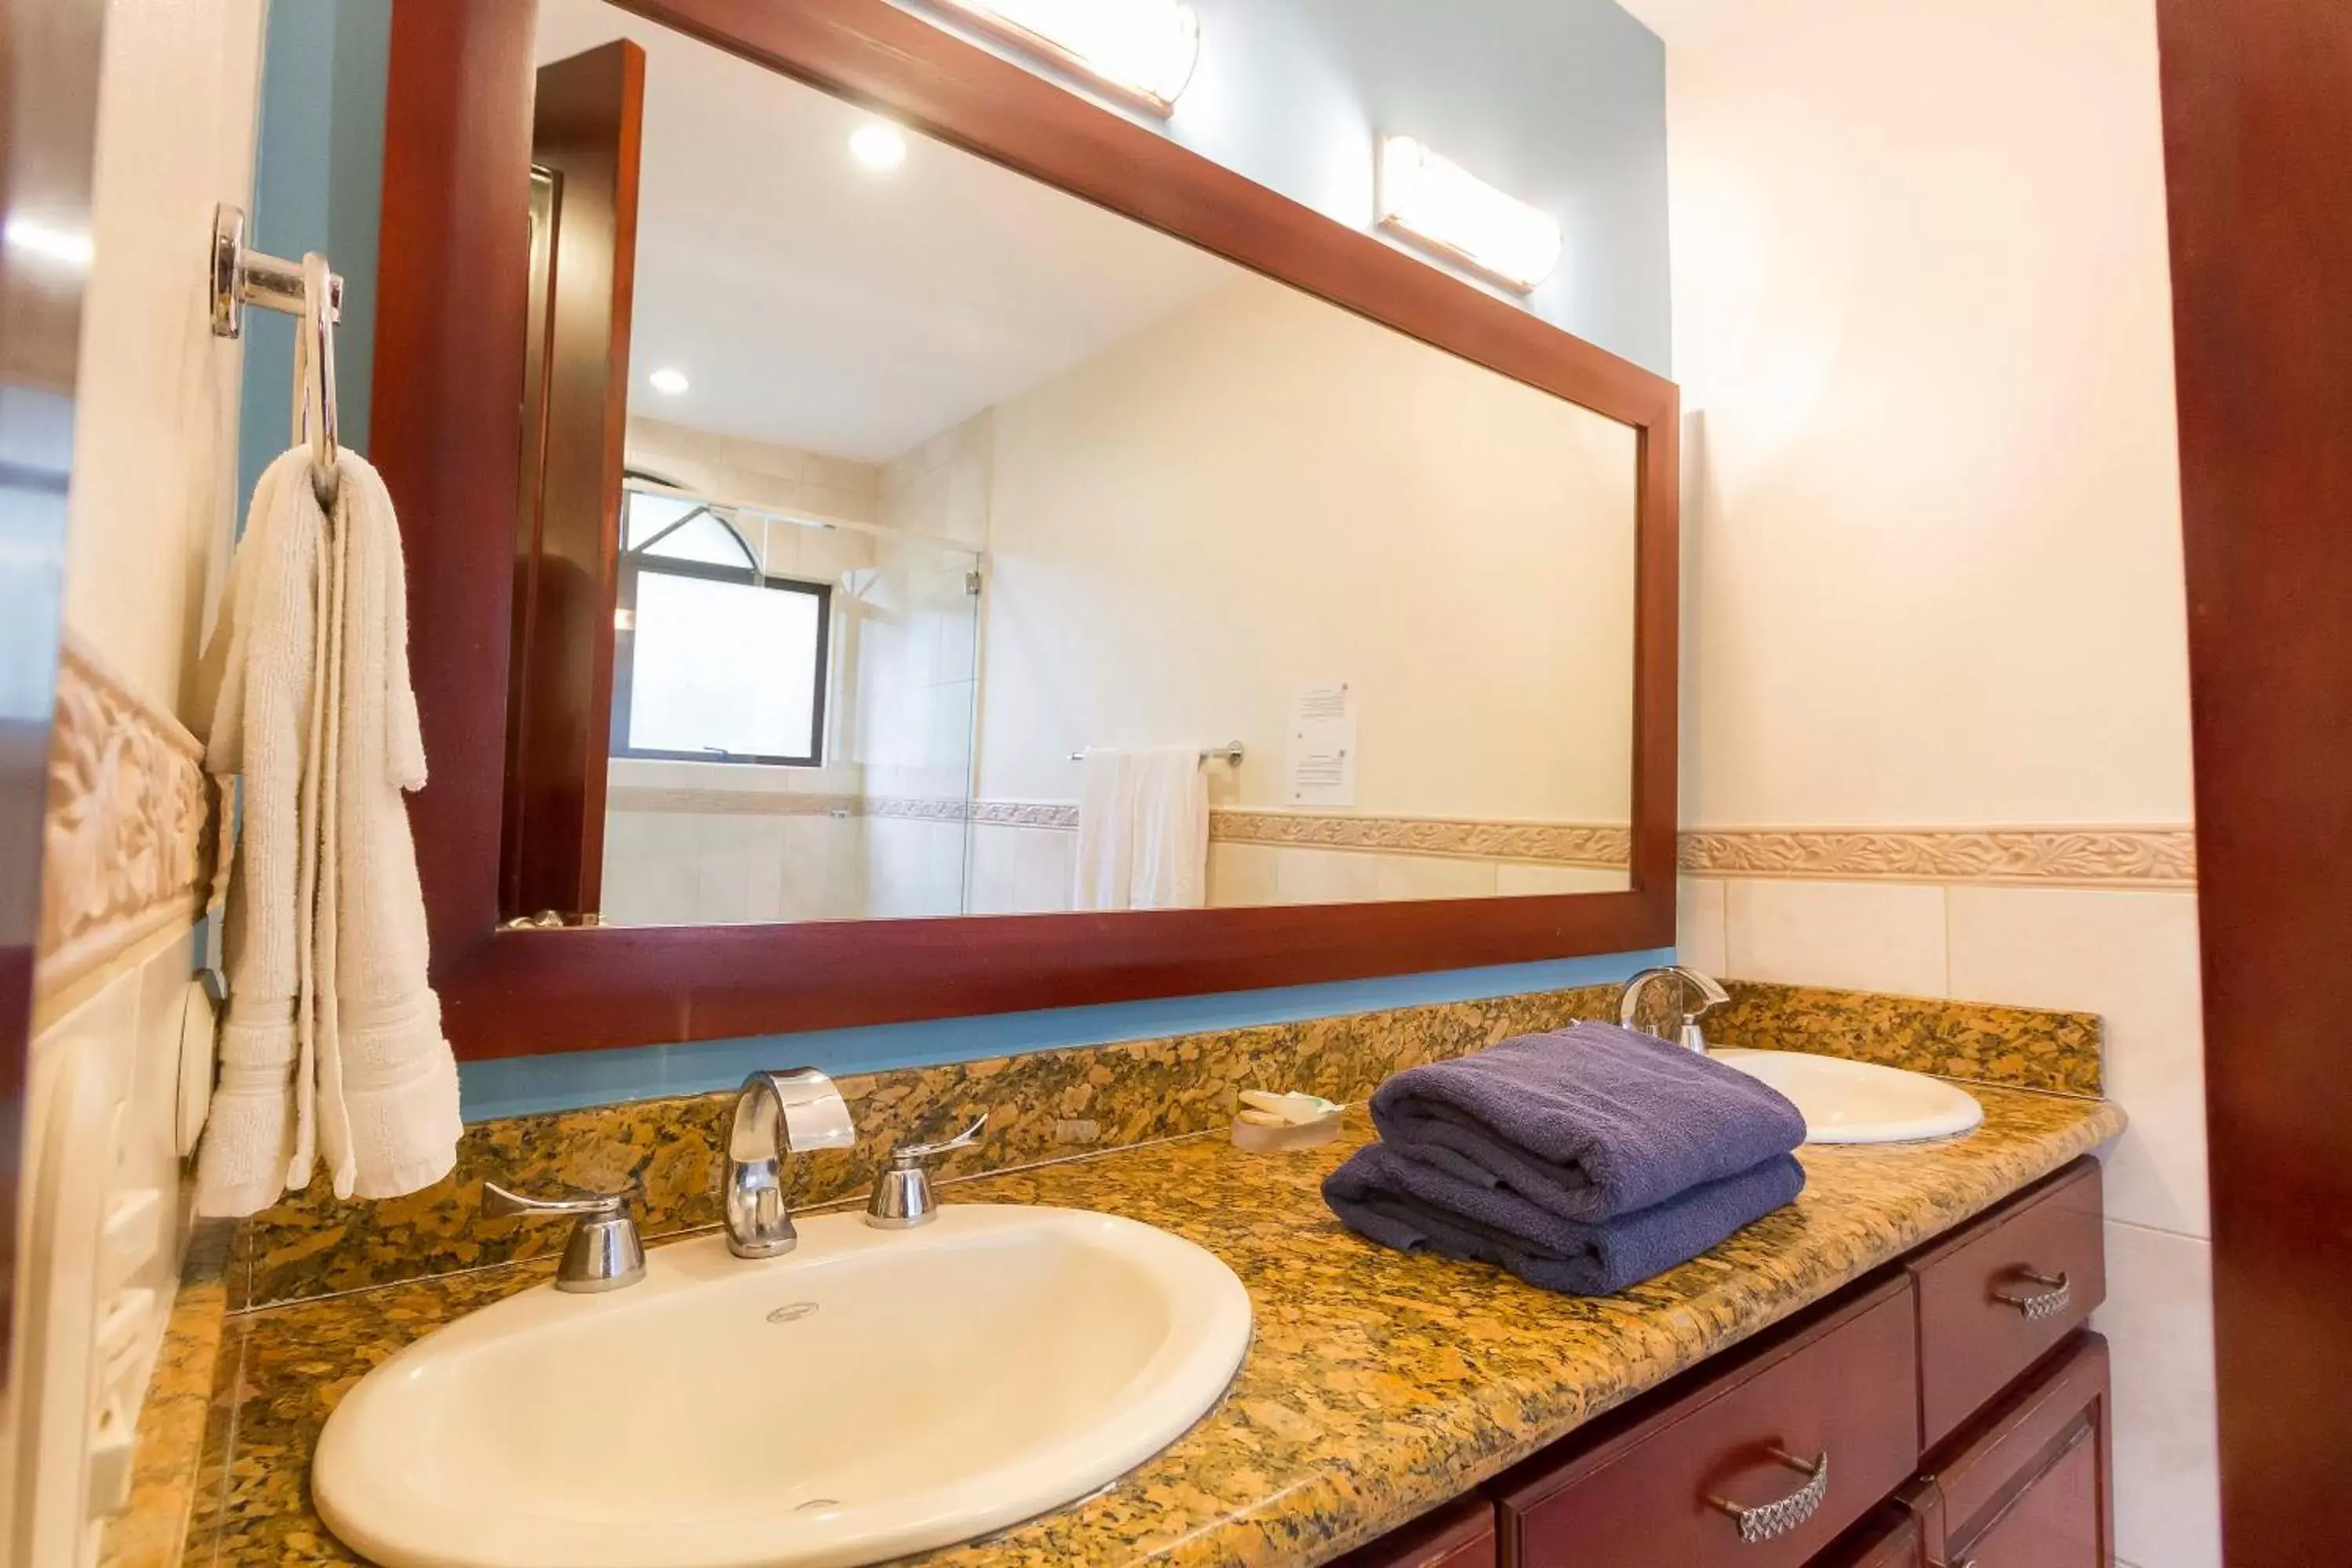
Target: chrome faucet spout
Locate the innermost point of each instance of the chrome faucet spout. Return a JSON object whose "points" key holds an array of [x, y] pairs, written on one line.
{"points": [[1687, 981], [776, 1113]]}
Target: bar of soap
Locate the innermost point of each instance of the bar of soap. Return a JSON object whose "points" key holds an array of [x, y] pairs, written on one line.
{"points": [[1262, 1131]]}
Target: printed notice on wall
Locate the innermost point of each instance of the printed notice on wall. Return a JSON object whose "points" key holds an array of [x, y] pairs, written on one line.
{"points": [[1322, 760]]}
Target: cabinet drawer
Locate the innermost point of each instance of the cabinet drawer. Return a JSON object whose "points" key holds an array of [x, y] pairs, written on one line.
{"points": [[2002, 1292], [2028, 1482], [1842, 1387], [1887, 1537], [1461, 1534]]}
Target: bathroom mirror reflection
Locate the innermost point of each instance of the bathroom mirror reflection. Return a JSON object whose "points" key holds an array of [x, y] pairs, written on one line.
{"points": [[964, 547]]}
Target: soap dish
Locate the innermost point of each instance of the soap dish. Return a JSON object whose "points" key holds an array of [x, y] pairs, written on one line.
{"points": [[1277, 1124]]}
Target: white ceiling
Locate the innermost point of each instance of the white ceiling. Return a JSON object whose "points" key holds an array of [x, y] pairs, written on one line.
{"points": [[816, 304], [1686, 22]]}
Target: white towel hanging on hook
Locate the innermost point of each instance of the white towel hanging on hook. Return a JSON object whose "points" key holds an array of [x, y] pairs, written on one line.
{"points": [[332, 1046]]}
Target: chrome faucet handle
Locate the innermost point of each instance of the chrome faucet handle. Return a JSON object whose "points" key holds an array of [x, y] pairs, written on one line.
{"points": [[902, 1195], [604, 1252], [776, 1113]]}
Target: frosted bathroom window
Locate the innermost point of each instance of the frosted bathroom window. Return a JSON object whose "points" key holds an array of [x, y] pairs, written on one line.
{"points": [[725, 671], [714, 661]]}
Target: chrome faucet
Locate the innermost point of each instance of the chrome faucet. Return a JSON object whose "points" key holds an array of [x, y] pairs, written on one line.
{"points": [[1687, 980], [776, 1113]]}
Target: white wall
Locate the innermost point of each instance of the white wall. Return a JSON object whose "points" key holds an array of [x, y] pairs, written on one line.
{"points": [[1922, 313], [150, 512], [1262, 491]]}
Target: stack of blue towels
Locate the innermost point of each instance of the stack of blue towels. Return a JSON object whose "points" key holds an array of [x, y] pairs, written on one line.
{"points": [[1583, 1160]]}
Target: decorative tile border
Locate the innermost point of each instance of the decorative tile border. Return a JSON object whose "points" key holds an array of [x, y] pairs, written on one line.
{"points": [[2138, 856], [1043, 1106], [926, 808], [1466, 838], [1602, 844], [1034, 814], [127, 840]]}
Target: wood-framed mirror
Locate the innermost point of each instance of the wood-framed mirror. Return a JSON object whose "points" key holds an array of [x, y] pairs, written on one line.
{"points": [[833, 455]]}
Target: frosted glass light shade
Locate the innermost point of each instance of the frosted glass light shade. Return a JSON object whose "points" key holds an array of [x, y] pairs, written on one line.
{"points": [[1141, 50], [1441, 205]]}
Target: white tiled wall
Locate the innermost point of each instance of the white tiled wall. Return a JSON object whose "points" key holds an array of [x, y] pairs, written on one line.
{"points": [[2131, 957], [132, 1022], [1027, 870]]}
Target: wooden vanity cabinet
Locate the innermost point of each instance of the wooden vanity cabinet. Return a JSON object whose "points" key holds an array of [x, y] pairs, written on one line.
{"points": [[1459, 1535], [1960, 1405]]}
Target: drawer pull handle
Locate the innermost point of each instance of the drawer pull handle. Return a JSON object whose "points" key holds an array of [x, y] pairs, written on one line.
{"points": [[1772, 1519], [2039, 1304]]}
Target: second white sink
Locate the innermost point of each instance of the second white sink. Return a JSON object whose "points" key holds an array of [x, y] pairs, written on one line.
{"points": [[870, 1395], [1860, 1103]]}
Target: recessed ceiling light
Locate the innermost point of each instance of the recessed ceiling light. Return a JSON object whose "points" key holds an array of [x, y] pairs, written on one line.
{"points": [[879, 146], [668, 381]]}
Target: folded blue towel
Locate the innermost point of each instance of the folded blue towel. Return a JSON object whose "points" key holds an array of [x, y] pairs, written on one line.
{"points": [[1413, 1207], [1587, 1123]]}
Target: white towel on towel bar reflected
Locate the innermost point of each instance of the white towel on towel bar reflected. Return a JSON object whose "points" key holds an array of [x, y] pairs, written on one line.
{"points": [[1143, 830]]}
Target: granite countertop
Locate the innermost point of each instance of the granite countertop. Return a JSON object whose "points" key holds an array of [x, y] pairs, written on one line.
{"points": [[1377, 1385]]}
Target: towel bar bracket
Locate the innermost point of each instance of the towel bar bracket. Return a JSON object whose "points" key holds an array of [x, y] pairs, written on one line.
{"points": [[242, 277]]}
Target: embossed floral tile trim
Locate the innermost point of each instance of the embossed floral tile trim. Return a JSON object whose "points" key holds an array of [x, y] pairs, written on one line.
{"points": [[2142, 857], [1559, 843], [2018, 1047], [1041, 1106], [126, 841], [1605, 845]]}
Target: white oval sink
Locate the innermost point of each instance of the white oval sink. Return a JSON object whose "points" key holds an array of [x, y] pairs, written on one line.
{"points": [[1859, 1102], [871, 1393]]}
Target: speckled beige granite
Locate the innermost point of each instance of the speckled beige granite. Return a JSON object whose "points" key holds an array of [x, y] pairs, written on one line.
{"points": [[1043, 1106], [2024, 1047], [171, 1439], [1377, 1385]]}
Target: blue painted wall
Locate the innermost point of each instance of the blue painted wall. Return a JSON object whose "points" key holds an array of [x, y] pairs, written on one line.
{"points": [[317, 186], [1559, 101]]}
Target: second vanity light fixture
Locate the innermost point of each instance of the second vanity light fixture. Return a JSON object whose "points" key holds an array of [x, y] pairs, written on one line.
{"points": [[1139, 51], [1442, 206]]}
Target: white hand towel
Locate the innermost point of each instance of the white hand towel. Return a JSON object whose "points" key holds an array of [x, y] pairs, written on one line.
{"points": [[1172, 830], [1143, 830], [333, 1041], [1106, 857]]}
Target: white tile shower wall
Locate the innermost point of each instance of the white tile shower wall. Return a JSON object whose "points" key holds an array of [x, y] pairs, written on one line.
{"points": [[2131, 957]]}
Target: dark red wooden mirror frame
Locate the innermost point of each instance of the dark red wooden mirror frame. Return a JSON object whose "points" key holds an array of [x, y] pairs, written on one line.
{"points": [[447, 434]]}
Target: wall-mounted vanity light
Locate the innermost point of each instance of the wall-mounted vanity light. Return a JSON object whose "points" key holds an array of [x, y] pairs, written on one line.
{"points": [[1438, 204], [1138, 51]]}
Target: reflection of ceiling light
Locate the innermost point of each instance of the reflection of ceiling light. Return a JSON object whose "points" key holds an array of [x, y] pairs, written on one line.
{"points": [[39, 239], [1142, 51], [670, 382], [1442, 206], [878, 146]]}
